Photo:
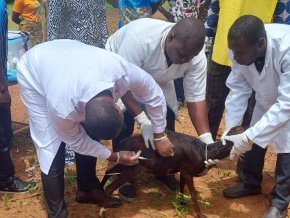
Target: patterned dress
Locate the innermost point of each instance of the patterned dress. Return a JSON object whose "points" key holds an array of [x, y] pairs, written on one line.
{"points": [[282, 12], [183, 8], [80, 20]]}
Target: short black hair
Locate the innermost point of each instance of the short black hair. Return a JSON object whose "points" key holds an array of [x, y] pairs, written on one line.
{"points": [[192, 30], [103, 120], [248, 26]]}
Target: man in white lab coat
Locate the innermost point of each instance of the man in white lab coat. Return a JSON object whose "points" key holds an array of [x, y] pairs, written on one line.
{"points": [[167, 51], [260, 56], [82, 86]]}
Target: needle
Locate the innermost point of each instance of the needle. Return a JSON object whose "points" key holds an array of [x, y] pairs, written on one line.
{"points": [[143, 158]]}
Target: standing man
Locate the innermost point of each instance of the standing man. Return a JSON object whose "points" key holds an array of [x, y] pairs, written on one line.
{"points": [[82, 86], [7, 181], [167, 51], [260, 56]]}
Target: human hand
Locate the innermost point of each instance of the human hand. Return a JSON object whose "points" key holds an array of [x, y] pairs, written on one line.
{"points": [[5, 99], [146, 129], [241, 144], [164, 146], [211, 162], [206, 138], [128, 158], [227, 129]]}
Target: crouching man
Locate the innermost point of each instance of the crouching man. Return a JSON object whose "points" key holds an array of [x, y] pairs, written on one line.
{"points": [[64, 83]]}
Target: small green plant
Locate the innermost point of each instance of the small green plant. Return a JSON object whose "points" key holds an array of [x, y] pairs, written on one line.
{"points": [[31, 189], [30, 152], [180, 204], [5, 199], [204, 203]]}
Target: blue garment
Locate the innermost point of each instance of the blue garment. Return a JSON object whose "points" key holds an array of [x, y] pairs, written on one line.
{"points": [[130, 10], [282, 12], [6, 133]]}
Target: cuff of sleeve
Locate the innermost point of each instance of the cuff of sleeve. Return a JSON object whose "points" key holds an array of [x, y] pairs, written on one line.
{"points": [[195, 98], [106, 154], [159, 129]]}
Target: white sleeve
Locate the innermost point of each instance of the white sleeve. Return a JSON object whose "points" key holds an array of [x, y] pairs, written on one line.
{"points": [[237, 100], [144, 89], [195, 79], [74, 135], [271, 123]]}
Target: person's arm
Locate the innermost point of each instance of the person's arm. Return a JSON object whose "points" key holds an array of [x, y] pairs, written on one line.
{"points": [[155, 6], [16, 17], [166, 14], [194, 91], [5, 98]]}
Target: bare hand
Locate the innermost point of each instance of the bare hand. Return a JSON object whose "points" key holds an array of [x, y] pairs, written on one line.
{"points": [[164, 147], [129, 158], [5, 99]]}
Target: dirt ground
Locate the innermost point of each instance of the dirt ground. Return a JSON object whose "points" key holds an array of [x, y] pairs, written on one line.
{"points": [[153, 200]]}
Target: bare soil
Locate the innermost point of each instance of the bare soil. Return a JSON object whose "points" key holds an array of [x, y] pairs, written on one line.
{"points": [[153, 200]]}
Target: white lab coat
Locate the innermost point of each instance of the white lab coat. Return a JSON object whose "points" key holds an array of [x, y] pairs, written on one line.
{"points": [[58, 78], [142, 42], [271, 114]]}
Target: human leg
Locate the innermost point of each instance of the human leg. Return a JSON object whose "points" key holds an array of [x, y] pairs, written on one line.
{"points": [[53, 186], [216, 93], [252, 169], [8, 183]]}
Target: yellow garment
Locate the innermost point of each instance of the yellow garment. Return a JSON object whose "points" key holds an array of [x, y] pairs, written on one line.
{"points": [[28, 9], [230, 11]]}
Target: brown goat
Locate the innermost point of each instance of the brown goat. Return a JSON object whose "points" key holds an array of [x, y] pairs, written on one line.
{"points": [[188, 159]]}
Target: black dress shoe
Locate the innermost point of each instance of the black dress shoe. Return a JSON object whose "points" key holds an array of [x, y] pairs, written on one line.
{"points": [[240, 191], [17, 186], [96, 196], [274, 212]]}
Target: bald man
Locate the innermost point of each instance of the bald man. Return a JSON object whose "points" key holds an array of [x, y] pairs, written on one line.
{"points": [[166, 51]]}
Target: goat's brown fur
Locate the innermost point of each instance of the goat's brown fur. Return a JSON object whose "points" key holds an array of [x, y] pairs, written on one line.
{"points": [[188, 159]]}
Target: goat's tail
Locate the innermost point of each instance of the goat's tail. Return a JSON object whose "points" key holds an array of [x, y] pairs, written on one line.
{"points": [[115, 169]]}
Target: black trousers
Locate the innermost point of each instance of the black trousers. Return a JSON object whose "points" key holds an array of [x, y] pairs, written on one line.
{"points": [[178, 84], [53, 183], [6, 138], [253, 167], [129, 127]]}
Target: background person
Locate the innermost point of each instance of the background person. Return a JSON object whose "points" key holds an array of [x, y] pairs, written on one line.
{"points": [[26, 13], [8, 183]]}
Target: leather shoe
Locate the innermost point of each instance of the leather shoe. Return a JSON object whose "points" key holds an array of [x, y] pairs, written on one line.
{"points": [[127, 192], [96, 196], [240, 191], [274, 212]]}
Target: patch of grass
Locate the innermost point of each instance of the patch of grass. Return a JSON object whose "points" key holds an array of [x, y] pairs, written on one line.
{"points": [[181, 204], [155, 198], [5, 199]]}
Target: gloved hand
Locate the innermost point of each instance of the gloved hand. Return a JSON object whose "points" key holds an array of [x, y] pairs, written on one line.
{"points": [[241, 144], [206, 138], [211, 162], [227, 129], [146, 129]]}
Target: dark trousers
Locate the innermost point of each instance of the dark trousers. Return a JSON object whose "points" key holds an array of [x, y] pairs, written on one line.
{"points": [[53, 183], [6, 138], [128, 128], [216, 94], [178, 84], [253, 167]]}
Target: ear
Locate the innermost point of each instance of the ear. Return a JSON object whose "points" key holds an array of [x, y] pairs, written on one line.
{"points": [[170, 37], [262, 43]]}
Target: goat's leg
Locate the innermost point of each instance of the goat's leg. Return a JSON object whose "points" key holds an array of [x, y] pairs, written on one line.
{"points": [[127, 174], [190, 185], [181, 184], [115, 169]]}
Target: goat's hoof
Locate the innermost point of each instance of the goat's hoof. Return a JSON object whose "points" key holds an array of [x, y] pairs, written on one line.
{"points": [[102, 213]]}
